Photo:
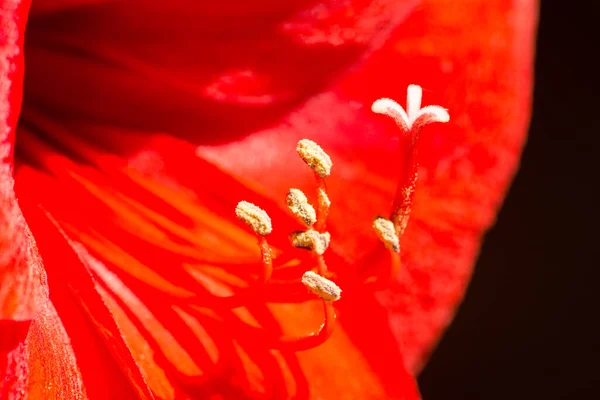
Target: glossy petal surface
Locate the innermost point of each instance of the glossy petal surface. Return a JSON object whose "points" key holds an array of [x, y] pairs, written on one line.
{"points": [[23, 291], [143, 126]]}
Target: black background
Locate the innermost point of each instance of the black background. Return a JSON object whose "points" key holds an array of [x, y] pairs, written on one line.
{"points": [[525, 329]]}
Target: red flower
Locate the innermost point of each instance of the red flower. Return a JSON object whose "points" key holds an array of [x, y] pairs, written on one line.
{"points": [[123, 269]]}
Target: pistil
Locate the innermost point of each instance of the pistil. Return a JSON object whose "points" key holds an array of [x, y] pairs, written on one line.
{"points": [[410, 123]]}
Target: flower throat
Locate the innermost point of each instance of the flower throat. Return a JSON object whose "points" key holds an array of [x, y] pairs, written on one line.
{"points": [[315, 238]]}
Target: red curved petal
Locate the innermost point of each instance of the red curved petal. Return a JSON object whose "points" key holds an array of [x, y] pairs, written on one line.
{"points": [[149, 284], [187, 70], [23, 288], [58, 355], [87, 321], [362, 347], [485, 82], [160, 219], [37, 361]]}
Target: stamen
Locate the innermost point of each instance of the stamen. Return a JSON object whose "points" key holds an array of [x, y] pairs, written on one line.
{"points": [[255, 217], [311, 240], [291, 343], [323, 198], [315, 240], [260, 222], [323, 204], [314, 339], [315, 157], [299, 206], [386, 232], [266, 258], [322, 287]]}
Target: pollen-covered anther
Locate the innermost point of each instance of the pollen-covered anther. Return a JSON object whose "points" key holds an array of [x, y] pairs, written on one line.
{"points": [[386, 232], [322, 287], [315, 157], [311, 240], [255, 217], [298, 204]]}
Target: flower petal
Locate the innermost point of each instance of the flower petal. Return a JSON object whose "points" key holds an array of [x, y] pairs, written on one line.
{"points": [[361, 347], [58, 357], [142, 212], [187, 70], [466, 165], [149, 284], [32, 355], [90, 327], [23, 290]]}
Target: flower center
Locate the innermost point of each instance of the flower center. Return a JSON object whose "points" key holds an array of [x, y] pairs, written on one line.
{"points": [[316, 240], [40, 139]]}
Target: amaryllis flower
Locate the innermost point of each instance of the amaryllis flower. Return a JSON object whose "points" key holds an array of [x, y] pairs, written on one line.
{"points": [[134, 134]]}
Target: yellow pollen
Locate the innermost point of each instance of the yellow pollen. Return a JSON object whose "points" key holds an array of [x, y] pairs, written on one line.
{"points": [[255, 217], [386, 232], [322, 287], [299, 206], [315, 157], [311, 240]]}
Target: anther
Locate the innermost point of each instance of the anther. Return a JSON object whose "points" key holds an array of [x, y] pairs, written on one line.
{"points": [[311, 240], [322, 287], [315, 157], [299, 206], [386, 232], [255, 217]]}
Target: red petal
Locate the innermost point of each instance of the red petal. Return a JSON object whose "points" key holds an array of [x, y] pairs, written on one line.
{"points": [[362, 348], [187, 70], [23, 288], [90, 326], [166, 84], [168, 346], [37, 361], [57, 357], [485, 81]]}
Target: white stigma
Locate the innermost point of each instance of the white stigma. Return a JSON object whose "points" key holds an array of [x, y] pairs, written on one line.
{"points": [[415, 117]]}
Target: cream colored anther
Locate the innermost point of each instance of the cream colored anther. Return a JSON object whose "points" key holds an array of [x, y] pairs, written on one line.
{"points": [[322, 287], [311, 240], [255, 217], [386, 232], [298, 204], [315, 157]]}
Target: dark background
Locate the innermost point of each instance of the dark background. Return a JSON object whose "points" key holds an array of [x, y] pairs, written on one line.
{"points": [[525, 329]]}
